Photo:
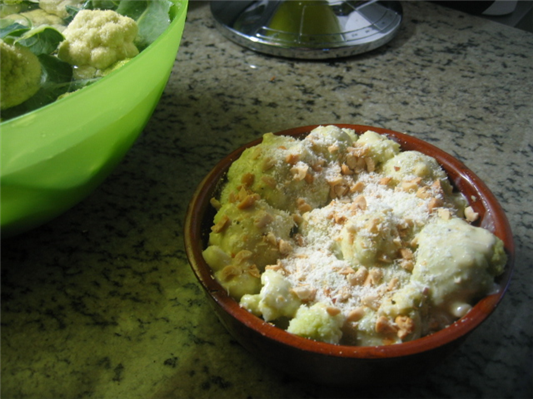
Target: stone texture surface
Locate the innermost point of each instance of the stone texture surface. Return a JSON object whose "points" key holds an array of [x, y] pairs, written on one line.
{"points": [[101, 302]]}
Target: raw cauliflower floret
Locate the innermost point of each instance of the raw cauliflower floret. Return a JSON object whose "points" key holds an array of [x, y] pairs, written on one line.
{"points": [[58, 7], [36, 18], [317, 323], [98, 39], [20, 75]]}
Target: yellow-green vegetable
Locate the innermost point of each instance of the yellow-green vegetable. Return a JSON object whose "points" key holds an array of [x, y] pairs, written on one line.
{"points": [[20, 75], [99, 39]]}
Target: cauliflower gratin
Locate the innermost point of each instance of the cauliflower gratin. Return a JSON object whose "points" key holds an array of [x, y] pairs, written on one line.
{"points": [[346, 239], [50, 48]]}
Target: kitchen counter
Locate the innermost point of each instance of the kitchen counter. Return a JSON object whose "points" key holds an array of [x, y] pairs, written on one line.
{"points": [[101, 302]]}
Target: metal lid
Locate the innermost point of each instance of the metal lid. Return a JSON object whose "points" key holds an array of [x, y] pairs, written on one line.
{"points": [[308, 29]]}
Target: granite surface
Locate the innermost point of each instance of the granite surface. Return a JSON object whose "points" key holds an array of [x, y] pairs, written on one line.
{"points": [[101, 302]]}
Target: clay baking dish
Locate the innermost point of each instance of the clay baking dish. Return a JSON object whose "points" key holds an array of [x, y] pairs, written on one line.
{"points": [[337, 364]]}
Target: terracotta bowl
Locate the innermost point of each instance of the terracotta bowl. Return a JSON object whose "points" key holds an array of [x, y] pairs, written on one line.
{"points": [[337, 364]]}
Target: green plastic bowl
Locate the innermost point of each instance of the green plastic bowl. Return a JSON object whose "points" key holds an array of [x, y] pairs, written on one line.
{"points": [[52, 158]]}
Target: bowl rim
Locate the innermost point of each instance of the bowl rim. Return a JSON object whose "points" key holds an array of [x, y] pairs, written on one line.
{"points": [[459, 174]]}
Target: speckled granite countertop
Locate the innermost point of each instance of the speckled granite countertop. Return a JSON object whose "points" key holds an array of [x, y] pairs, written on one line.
{"points": [[101, 302]]}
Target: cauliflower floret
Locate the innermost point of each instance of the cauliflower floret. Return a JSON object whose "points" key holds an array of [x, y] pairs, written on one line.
{"points": [[369, 236], [412, 164], [10, 7], [20, 75], [238, 275], [99, 39], [59, 7], [283, 175], [458, 262], [89, 72], [408, 302], [38, 18], [276, 299], [317, 322], [12, 2], [330, 141], [380, 148], [258, 228]]}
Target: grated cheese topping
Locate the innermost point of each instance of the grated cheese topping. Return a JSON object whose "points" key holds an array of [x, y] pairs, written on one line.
{"points": [[346, 239]]}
